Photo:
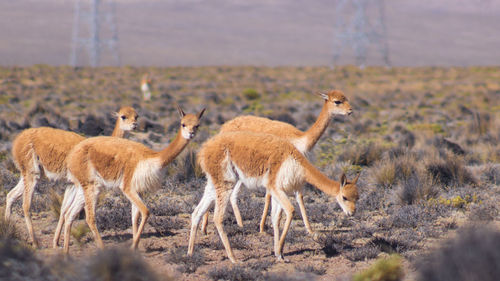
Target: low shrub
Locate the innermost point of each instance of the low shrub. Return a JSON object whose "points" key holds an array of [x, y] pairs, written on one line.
{"points": [[185, 263], [472, 255], [386, 269], [235, 273]]}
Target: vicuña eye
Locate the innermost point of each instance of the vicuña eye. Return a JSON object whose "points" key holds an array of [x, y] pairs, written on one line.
{"points": [[338, 102], [344, 198], [124, 117], [183, 125]]}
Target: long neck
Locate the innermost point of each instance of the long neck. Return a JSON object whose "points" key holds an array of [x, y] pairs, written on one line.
{"points": [[172, 150], [319, 180], [118, 132], [318, 128]]}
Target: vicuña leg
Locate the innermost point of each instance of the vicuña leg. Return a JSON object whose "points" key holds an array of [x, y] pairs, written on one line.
{"points": [[300, 200], [136, 200], [12, 197], [220, 209], [275, 219], [200, 210], [90, 193], [30, 181], [204, 223], [135, 220], [234, 203], [69, 196], [70, 214], [282, 199], [264, 212]]}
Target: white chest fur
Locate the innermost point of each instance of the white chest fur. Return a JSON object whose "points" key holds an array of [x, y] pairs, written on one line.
{"points": [[147, 175]]}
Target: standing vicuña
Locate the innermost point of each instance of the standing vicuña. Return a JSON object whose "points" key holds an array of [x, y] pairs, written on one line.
{"points": [[335, 103], [43, 150], [131, 166], [260, 160]]}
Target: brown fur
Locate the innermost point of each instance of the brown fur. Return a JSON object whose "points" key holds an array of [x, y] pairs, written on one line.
{"points": [[257, 155], [118, 162], [335, 103], [43, 150]]}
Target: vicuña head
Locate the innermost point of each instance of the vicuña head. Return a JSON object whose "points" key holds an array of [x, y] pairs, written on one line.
{"points": [[337, 102], [126, 120], [348, 194]]}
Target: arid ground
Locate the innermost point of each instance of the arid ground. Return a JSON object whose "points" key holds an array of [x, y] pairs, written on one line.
{"points": [[425, 140]]}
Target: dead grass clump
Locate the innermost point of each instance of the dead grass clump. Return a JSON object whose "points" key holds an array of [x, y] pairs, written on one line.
{"points": [[450, 172], [365, 252], [491, 174], [235, 273], [55, 201], [486, 211], [163, 225], [318, 270], [113, 214], [362, 154], [8, 229], [472, 255], [386, 269], [418, 187], [185, 166], [79, 231], [18, 263], [384, 173], [185, 263], [117, 264]]}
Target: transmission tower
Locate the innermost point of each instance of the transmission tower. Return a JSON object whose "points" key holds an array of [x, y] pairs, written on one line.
{"points": [[94, 31], [360, 24]]}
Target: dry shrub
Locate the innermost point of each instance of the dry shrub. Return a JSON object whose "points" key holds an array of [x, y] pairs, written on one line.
{"points": [[384, 173], [418, 187], [472, 255], [120, 264], [386, 269], [362, 154], [113, 214], [18, 263], [55, 201], [235, 273], [451, 171], [8, 229], [185, 263], [79, 231]]}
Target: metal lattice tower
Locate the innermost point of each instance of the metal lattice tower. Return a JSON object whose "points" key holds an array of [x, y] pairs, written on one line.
{"points": [[94, 31], [360, 24]]}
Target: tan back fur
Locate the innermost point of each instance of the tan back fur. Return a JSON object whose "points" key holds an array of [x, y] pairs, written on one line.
{"points": [[335, 103]]}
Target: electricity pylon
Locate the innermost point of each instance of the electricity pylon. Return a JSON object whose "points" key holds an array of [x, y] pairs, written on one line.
{"points": [[358, 28], [94, 30]]}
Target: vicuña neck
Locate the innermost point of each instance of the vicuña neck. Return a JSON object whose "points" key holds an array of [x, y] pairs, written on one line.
{"points": [[318, 128], [172, 150], [319, 180], [117, 131]]}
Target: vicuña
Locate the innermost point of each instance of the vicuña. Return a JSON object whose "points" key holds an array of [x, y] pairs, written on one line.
{"points": [[260, 160], [102, 162], [43, 151]]}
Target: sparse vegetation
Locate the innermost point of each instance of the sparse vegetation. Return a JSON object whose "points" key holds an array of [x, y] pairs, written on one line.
{"points": [[427, 141], [385, 269]]}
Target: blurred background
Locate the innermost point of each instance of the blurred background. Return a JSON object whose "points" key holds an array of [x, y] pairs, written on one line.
{"points": [[255, 32]]}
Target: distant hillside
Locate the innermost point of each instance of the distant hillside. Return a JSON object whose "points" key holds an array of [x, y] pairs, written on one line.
{"points": [[272, 32]]}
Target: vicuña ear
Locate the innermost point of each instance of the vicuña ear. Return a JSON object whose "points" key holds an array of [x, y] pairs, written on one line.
{"points": [[181, 112], [356, 178], [116, 115], [323, 94], [343, 180], [201, 113]]}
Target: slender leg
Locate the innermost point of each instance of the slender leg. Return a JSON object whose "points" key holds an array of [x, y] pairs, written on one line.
{"points": [[234, 203], [204, 223], [220, 209], [135, 220], [199, 211], [70, 215], [30, 181], [276, 218], [91, 191], [136, 200], [300, 200], [283, 201], [69, 197], [264, 213], [12, 196]]}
